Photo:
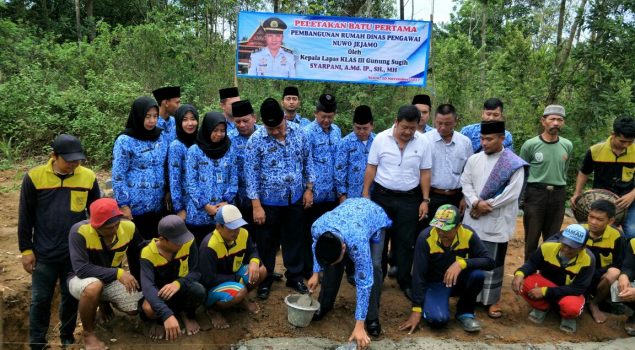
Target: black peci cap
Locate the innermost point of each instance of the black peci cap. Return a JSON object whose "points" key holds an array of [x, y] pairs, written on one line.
{"points": [[271, 113], [228, 92], [326, 103], [241, 108], [291, 91], [362, 115], [166, 93], [421, 99]]}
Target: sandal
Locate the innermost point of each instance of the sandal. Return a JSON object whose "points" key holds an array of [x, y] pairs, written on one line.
{"points": [[537, 316], [568, 325], [494, 311], [629, 326]]}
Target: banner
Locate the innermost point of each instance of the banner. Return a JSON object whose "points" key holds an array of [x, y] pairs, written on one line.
{"points": [[339, 49]]}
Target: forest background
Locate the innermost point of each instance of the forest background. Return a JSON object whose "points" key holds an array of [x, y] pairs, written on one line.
{"points": [[75, 66]]}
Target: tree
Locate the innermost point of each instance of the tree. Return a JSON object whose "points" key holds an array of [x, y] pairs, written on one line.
{"points": [[563, 49]]}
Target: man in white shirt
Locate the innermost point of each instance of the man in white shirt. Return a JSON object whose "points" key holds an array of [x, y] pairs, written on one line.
{"points": [[398, 172], [492, 200], [450, 150]]}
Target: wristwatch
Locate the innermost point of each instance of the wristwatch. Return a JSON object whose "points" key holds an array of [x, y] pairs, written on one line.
{"points": [[426, 200]]}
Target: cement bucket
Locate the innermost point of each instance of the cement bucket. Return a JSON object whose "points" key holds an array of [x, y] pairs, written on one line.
{"points": [[300, 314]]}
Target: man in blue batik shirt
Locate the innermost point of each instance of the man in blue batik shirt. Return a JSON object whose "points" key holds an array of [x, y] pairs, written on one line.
{"points": [[322, 137], [355, 228], [227, 97], [245, 121], [352, 155], [279, 176], [291, 104], [492, 111], [169, 100]]}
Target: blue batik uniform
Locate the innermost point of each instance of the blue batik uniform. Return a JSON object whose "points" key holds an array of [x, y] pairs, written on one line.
{"points": [[276, 172], [169, 129], [138, 174], [209, 181], [239, 146], [232, 130], [303, 122], [176, 172], [350, 165], [473, 132], [323, 146], [358, 222], [429, 128]]}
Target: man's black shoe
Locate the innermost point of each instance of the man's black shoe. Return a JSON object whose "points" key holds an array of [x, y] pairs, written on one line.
{"points": [[263, 293], [299, 286], [351, 279], [392, 271], [276, 276], [320, 313], [408, 293], [373, 328]]}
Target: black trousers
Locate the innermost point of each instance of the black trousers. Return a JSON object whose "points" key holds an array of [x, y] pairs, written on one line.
{"points": [[437, 200], [248, 215], [148, 224], [186, 300], [543, 215], [284, 226], [332, 279], [312, 214], [403, 210], [200, 232]]}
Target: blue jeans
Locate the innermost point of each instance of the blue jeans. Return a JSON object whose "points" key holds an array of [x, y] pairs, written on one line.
{"points": [[436, 306], [629, 223], [44, 279]]}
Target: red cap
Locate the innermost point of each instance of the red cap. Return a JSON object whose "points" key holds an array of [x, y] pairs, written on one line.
{"points": [[103, 210]]}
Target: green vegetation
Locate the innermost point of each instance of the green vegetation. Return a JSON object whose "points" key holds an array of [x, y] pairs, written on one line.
{"points": [[59, 75]]}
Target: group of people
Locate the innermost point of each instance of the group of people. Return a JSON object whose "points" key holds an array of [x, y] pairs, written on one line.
{"points": [[201, 208]]}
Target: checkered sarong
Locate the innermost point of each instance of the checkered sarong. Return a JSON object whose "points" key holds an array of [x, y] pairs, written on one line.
{"points": [[493, 285]]}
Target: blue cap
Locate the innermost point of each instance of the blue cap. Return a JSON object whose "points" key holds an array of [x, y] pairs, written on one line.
{"points": [[575, 236]]}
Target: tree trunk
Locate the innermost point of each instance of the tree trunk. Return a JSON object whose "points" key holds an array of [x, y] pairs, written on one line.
{"points": [[483, 42], [90, 18], [563, 7], [401, 9], [562, 56], [78, 22], [45, 14], [276, 6]]}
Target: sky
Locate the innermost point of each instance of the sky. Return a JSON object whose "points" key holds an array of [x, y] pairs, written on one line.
{"points": [[423, 8]]}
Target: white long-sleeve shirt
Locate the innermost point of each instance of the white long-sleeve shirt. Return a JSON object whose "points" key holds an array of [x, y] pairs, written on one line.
{"points": [[499, 225]]}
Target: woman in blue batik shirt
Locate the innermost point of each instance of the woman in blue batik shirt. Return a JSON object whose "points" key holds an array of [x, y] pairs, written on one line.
{"points": [[138, 172], [186, 118], [211, 175]]}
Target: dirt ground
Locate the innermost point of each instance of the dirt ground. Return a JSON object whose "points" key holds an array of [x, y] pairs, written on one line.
{"points": [[126, 332]]}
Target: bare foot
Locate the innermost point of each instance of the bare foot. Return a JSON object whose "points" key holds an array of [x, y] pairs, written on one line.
{"points": [[105, 313], [596, 313], [250, 306], [218, 321], [155, 331], [91, 342], [191, 325]]}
